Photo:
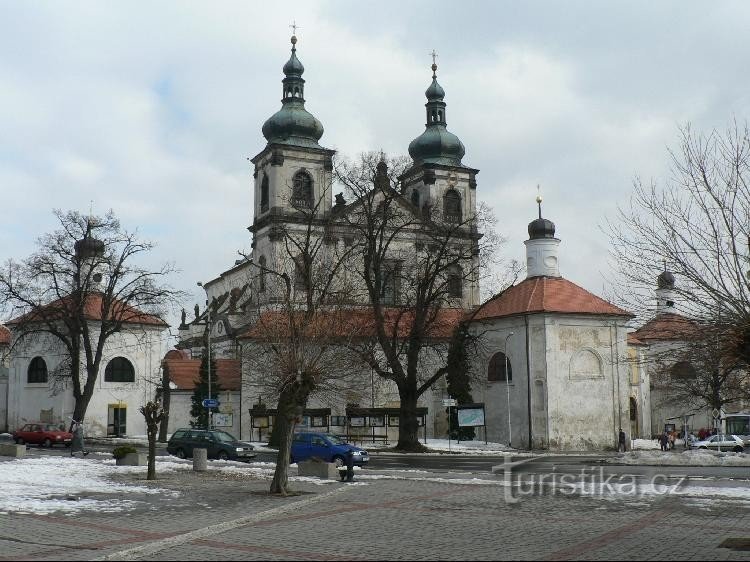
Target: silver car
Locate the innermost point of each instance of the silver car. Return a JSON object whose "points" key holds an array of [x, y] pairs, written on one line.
{"points": [[720, 443]]}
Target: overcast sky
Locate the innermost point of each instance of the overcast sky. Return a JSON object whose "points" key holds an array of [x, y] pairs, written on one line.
{"points": [[151, 108]]}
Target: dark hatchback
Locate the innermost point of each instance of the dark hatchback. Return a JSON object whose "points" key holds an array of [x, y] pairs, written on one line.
{"points": [[220, 444]]}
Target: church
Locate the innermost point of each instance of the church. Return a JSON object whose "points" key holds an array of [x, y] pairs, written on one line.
{"points": [[555, 373]]}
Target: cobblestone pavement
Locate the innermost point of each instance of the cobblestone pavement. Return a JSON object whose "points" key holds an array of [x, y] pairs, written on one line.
{"points": [[218, 516]]}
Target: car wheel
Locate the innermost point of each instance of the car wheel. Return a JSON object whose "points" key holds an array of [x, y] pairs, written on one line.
{"points": [[19, 441], [223, 456], [737, 449], [291, 460], [47, 443], [180, 453], [338, 461], [703, 447]]}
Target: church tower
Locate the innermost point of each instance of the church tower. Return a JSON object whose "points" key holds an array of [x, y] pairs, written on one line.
{"points": [[542, 247], [438, 182], [666, 294], [293, 173], [89, 253]]}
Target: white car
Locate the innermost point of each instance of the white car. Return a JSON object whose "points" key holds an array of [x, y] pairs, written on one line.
{"points": [[720, 442]]}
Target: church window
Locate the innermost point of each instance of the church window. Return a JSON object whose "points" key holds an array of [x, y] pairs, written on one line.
{"points": [[302, 190], [119, 369], [390, 283], [264, 194], [262, 277], [496, 372], [683, 370], [455, 281], [452, 206], [37, 372], [415, 198], [440, 115]]}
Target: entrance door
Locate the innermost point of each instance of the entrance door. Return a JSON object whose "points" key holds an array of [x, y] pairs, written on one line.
{"points": [[116, 419]]}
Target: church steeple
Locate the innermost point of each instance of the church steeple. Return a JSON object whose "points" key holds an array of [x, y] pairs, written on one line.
{"points": [[541, 247], [436, 145], [293, 124]]}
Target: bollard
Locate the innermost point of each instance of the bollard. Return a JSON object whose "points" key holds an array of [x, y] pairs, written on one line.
{"points": [[200, 460]]}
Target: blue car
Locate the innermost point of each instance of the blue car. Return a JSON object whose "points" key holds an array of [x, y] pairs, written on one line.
{"points": [[326, 447]]}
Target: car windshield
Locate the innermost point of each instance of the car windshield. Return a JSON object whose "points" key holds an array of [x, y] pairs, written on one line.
{"points": [[224, 437], [50, 427], [335, 440]]}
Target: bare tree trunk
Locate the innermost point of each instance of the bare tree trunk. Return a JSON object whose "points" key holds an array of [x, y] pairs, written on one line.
{"points": [[408, 425], [166, 395], [287, 423], [151, 474], [153, 415]]}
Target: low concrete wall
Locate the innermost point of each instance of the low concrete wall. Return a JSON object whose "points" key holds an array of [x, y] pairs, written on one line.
{"points": [[11, 450], [133, 459], [324, 470]]}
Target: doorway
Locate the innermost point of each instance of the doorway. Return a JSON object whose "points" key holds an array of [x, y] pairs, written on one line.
{"points": [[116, 420]]}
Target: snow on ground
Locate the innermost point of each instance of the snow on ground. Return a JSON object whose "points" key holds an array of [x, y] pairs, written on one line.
{"points": [[41, 485], [441, 446], [685, 458], [645, 444]]}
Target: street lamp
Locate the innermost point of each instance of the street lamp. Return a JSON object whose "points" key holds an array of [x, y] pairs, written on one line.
{"points": [[208, 352], [507, 389]]}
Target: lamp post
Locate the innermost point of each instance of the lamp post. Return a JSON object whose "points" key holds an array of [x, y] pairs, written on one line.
{"points": [[208, 354], [507, 389]]}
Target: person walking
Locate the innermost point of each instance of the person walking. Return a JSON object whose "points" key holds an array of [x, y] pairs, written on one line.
{"points": [[77, 444], [621, 442], [664, 441]]}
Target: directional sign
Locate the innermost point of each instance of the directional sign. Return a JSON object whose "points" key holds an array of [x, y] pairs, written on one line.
{"points": [[211, 403], [448, 402]]}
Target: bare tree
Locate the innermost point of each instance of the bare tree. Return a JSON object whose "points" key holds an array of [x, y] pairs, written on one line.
{"points": [[696, 225], [417, 266], [80, 288], [153, 413], [293, 349]]}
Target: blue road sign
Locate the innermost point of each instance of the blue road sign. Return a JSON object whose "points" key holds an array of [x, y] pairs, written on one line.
{"points": [[211, 403]]}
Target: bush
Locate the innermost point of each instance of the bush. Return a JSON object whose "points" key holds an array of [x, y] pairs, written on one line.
{"points": [[120, 452]]}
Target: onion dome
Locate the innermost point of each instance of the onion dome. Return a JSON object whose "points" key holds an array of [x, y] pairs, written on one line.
{"points": [[89, 247], [436, 145], [293, 124], [541, 228], [665, 280]]}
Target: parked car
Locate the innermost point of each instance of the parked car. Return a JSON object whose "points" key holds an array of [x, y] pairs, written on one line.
{"points": [[326, 447], [721, 442], [43, 434], [220, 444]]}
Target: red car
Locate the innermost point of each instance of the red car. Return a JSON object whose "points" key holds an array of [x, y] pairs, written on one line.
{"points": [[44, 434]]}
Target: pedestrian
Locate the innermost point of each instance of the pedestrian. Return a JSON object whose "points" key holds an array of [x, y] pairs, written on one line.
{"points": [[621, 442], [77, 444], [350, 466], [664, 441], [671, 440]]}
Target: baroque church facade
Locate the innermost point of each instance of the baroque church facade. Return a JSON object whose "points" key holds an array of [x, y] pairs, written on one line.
{"points": [[571, 387]]}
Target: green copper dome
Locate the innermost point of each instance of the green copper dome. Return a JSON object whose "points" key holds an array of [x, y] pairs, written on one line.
{"points": [[293, 124], [436, 145]]}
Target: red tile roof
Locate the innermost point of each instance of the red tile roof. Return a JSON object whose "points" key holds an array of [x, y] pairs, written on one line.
{"points": [[547, 294], [185, 372], [92, 311], [665, 327], [4, 335], [633, 340], [359, 322]]}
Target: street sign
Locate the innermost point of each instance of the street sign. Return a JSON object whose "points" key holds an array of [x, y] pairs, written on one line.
{"points": [[211, 403], [716, 413], [448, 402]]}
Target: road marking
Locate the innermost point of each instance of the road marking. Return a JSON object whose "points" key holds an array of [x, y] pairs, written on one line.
{"points": [[152, 548]]}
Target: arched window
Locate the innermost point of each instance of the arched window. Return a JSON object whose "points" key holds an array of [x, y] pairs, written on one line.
{"points": [[262, 277], [496, 371], [455, 281], [119, 370], [37, 372], [264, 194], [302, 191], [683, 370], [415, 198], [452, 206]]}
